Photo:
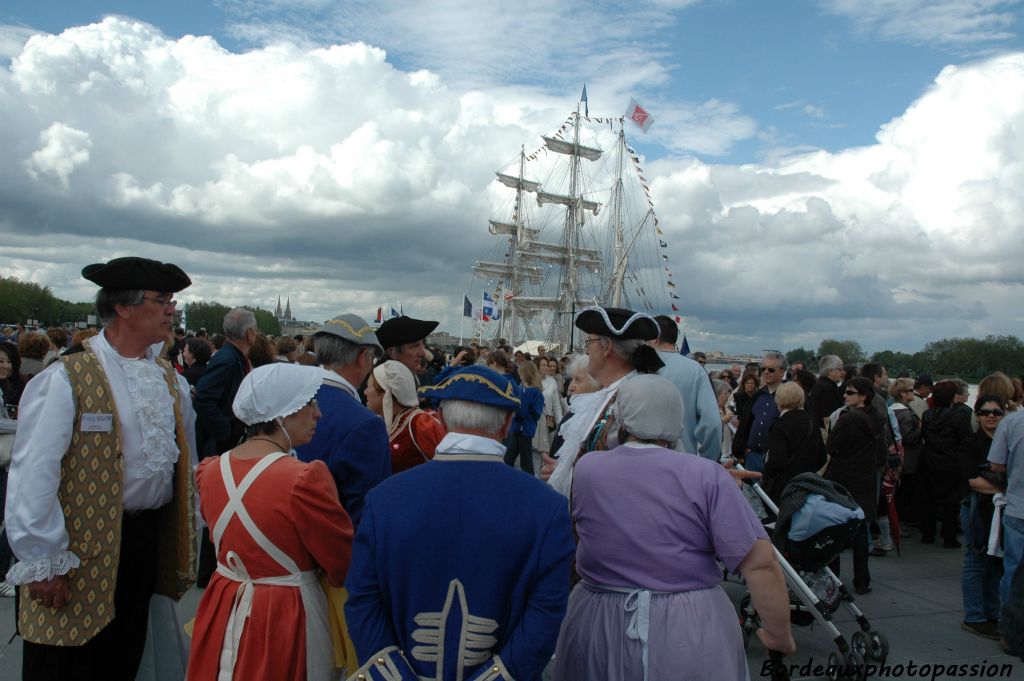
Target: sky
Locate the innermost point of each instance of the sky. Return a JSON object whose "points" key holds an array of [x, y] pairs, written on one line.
{"points": [[821, 168]]}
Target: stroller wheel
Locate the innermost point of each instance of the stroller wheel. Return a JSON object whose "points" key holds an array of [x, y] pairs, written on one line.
{"points": [[836, 669], [879, 646], [860, 644], [857, 669]]}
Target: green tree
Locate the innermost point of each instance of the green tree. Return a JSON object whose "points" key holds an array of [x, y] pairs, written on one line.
{"points": [[266, 322], [848, 350], [203, 315], [895, 362], [800, 354], [22, 300]]}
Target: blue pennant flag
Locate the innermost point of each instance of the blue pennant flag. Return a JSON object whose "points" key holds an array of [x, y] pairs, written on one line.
{"points": [[467, 307], [394, 313], [685, 350]]}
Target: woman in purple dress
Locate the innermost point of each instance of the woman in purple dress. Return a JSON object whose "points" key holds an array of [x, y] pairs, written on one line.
{"points": [[651, 522]]}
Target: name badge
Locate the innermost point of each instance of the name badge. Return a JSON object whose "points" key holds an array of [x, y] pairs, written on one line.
{"points": [[97, 423]]}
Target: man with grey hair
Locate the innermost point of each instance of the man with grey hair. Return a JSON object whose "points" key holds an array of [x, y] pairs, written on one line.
{"points": [[750, 443], [100, 505], [350, 439], [826, 395], [217, 427], [460, 568]]}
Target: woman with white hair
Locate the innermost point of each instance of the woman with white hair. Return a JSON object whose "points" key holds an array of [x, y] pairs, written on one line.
{"points": [[650, 523], [275, 522], [413, 433]]}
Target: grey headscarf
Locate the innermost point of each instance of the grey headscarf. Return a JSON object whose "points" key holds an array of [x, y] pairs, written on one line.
{"points": [[649, 407]]}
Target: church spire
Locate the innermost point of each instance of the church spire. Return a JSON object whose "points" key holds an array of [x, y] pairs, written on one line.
{"points": [[288, 308], [277, 310]]}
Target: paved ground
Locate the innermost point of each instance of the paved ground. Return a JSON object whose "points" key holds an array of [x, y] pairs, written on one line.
{"points": [[915, 602]]}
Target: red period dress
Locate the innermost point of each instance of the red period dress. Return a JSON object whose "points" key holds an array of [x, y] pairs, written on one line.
{"points": [[282, 522], [413, 439]]}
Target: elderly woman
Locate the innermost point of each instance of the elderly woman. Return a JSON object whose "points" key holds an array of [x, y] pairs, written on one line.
{"points": [[745, 393], [857, 451], [794, 442], [33, 348], [650, 523], [275, 521], [412, 432], [902, 392], [723, 391]]}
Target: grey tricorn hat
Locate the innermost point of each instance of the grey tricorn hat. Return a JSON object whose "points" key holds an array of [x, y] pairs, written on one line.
{"points": [[352, 328]]}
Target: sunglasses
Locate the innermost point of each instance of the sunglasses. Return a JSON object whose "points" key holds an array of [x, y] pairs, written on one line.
{"points": [[991, 412], [851, 392], [768, 370]]}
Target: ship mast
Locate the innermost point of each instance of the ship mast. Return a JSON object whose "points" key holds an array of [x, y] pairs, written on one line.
{"points": [[614, 297]]}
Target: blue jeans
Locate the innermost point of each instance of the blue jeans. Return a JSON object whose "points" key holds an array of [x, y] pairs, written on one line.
{"points": [[1013, 551], [979, 579]]}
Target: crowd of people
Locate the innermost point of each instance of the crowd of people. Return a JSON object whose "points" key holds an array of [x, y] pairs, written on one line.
{"points": [[350, 501]]}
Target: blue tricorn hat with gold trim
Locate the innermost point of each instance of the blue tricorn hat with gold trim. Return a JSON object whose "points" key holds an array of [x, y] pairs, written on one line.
{"points": [[475, 384]]}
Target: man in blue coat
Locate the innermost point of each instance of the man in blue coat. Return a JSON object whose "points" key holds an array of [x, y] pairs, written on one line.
{"points": [[461, 566], [350, 438]]}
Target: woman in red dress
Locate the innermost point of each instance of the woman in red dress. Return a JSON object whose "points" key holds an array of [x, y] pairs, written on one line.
{"points": [[276, 523], [412, 432]]}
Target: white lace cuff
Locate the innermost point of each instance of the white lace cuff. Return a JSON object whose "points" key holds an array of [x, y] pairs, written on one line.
{"points": [[44, 568]]}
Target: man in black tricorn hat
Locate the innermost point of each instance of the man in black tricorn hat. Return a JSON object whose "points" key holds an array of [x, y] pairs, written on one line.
{"points": [[616, 344], [404, 339], [100, 503]]}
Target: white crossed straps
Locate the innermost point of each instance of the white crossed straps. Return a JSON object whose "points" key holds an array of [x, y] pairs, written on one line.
{"points": [[318, 664]]}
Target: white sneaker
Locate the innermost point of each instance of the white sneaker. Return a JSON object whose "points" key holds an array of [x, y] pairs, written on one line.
{"points": [[6, 590]]}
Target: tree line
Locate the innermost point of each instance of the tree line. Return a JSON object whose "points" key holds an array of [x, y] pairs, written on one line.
{"points": [[21, 301], [970, 359]]}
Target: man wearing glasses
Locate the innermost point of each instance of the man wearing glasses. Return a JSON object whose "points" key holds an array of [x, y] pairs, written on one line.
{"points": [[751, 441], [217, 427], [100, 503]]}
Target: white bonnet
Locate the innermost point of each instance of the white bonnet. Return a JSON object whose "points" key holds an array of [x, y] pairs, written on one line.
{"points": [[274, 391]]}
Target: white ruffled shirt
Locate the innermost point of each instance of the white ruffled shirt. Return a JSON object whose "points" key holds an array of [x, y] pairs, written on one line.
{"points": [[145, 410]]}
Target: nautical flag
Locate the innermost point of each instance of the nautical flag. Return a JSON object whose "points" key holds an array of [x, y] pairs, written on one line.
{"points": [[663, 244], [679, 320], [664, 256], [639, 115], [509, 296], [488, 312], [685, 350], [583, 98], [673, 295], [671, 284], [467, 307], [674, 308], [380, 315], [394, 313]]}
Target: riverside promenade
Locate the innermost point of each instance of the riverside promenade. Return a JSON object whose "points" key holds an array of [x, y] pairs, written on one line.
{"points": [[915, 601]]}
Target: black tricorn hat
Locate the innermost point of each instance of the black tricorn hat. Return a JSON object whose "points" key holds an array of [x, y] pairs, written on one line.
{"points": [[133, 273], [617, 322], [401, 330]]}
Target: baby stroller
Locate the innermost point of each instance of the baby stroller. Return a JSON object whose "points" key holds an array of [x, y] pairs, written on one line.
{"points": [[817, 521]]}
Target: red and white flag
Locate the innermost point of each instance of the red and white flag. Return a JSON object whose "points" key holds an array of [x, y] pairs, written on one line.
{"points": [[639, 115]]}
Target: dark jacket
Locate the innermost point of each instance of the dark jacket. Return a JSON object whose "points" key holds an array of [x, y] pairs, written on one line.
{"points": [[946, 457], [217, 429], [857, 449], [194, 372], [910, 431], [747, 416], [824, 399], [795, 446]]}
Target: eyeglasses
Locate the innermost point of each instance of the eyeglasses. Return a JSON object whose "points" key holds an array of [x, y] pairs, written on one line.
{"points": [[587, 342], [768, 370], [851, 392], [991, 412], [162, 302]]}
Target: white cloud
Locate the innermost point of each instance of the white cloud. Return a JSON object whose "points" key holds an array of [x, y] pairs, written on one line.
{"points": [[954, 23], [62, 149], [332, 175]]}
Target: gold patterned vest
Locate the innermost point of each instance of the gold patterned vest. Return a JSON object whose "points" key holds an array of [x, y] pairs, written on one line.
{"points": [[90, 496]]}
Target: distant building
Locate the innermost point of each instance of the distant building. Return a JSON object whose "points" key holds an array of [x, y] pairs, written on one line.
{"points": [[289, 325]]}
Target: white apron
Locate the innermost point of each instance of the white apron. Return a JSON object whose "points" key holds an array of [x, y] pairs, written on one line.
{"points": [[319, 657]]}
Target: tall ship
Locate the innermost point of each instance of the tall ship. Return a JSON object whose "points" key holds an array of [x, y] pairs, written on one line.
{"points": [[577, 228]]}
